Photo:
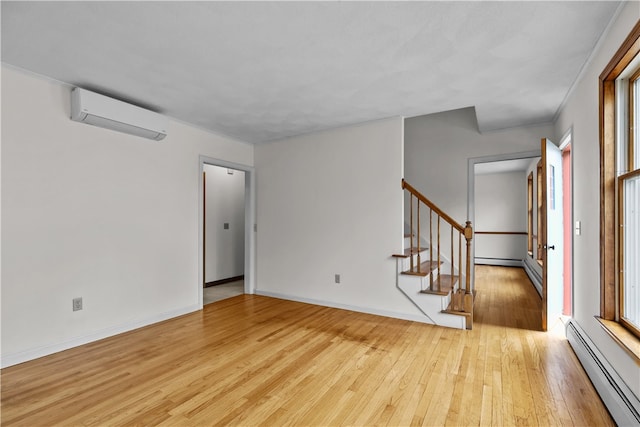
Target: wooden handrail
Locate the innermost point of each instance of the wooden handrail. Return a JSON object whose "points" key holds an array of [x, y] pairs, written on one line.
{"points": [[437, 210]]}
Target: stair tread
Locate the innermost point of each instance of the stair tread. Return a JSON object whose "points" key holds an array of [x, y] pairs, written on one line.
{"points": [[446, 285], [457, 313], [425, 269], [408, 252]]}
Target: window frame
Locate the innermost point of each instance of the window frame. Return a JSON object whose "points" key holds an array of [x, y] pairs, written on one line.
{"points": [[621, 297], [610, 252], [633, 79], [539, 201]]}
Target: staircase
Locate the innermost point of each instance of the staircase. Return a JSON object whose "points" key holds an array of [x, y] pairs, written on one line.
{"points": [[432, 271]]}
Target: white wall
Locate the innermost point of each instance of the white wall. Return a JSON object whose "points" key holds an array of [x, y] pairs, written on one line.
{"points": [[581, 113], [224, 255], [501, 205], [92, 213], [331, 203]]}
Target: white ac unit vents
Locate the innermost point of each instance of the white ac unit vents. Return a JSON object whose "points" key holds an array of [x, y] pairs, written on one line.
{"points": [[99, 110]]}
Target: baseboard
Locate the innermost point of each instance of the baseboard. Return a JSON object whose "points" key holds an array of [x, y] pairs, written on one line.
{"points": [[35, 353], [622, 404], [503, 262], [368, 310], [223, 281], [535, 277]]}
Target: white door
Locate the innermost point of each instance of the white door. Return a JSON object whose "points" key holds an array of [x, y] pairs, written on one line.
{"points": [[552, 234]]}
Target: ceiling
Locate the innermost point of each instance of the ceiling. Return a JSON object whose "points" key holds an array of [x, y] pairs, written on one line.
{"points": [[261, 71]]}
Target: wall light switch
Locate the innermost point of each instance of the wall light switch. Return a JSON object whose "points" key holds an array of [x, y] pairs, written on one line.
{"points": [[226, 225], [578, 228], [337, 278]]}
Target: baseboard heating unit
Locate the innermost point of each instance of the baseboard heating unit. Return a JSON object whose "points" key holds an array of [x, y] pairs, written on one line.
{"points": [[622, 404]]}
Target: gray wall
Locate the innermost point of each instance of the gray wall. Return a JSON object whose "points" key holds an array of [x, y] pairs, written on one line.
{"points": [[501, 205]]}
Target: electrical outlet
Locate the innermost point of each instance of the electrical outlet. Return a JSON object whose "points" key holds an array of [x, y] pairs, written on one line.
{"points": [[77, 304], [337, 278]]}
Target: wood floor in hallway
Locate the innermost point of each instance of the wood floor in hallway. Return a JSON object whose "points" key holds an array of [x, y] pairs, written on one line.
{"points": [[252, 360]]}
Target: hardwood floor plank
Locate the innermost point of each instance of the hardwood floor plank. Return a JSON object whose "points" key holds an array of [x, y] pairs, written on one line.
{"points": [[252, 360]]}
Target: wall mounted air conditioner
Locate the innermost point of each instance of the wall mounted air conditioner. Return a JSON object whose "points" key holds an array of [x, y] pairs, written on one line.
{"points": [[99, 110]]}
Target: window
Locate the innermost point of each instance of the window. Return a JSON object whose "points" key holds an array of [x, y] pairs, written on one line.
{"points": [[629, 206], [620, 186]]}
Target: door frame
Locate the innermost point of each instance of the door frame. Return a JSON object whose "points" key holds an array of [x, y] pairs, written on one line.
{"points": [[471, 185], [567, 139], [249, 222]]}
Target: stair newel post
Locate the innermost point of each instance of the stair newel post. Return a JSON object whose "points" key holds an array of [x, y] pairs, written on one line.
{"points": [[468, 296], [417, 246], [439, 272], [468, 235], [410, 226], [430, 247], [460, 305]]}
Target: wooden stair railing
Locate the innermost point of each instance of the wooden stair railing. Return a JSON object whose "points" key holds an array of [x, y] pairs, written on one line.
{"points": [[462, 299]]}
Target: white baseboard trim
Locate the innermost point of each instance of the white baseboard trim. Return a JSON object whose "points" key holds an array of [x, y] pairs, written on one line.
{"points": [[393, 314], [622, 404], [535, 277], [37, 352], [503, 262]]}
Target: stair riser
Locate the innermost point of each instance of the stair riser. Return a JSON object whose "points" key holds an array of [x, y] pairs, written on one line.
{"points": [[422, 283], [424, 256], [431, 304], [406, 262]]}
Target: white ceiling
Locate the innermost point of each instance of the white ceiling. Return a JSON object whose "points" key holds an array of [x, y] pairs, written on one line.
{"points": [[261, 71]]}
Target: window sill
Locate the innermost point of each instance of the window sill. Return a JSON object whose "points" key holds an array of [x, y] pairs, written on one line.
{"points": [[625, 339]]}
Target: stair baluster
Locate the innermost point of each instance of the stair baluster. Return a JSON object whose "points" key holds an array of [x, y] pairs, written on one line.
{"points": [[411, 230], [430, 247], [439, 262], [418, 239]]}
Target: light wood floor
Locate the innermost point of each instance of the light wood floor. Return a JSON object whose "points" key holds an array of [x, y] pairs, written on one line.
{"points": [[252, 360]]}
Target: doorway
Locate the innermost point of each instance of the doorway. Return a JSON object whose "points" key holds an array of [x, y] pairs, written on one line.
{"points": [[567, 202], [222, 258], [557, 231], [224, 228], [493, 163]]}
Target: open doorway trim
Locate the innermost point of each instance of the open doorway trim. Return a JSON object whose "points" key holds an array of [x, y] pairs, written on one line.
{"points": [[249, 222], [567, 139], [471, 185]]}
